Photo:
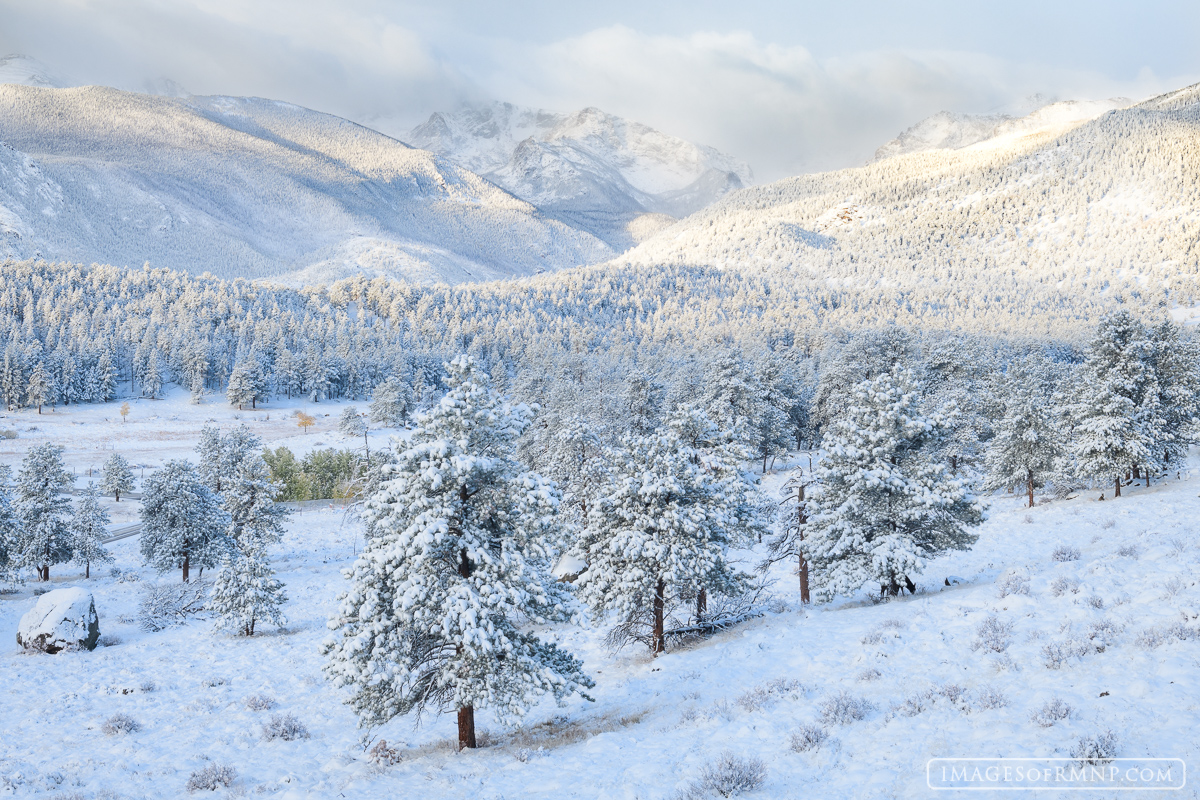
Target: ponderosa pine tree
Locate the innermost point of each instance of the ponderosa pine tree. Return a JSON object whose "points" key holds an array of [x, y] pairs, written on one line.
{"points": [[246, 593], [246, 384], [255, 519], [89, 526], [183, 524], [884, 504], [118, 477], [10, 526], [152, 381], [1114, 402], [43, 509], [40, 387], [1175, 407], [436, 614], [350, 423], [660, 527], [1029, 441], [392, 403], [106, 379]]}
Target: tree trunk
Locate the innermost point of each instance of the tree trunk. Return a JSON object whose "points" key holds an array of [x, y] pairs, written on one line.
{"points": [[186, 558], [254, 402], [87, 570], [1117, 491], [804, 598], [701, 602], [658, 643], [1029, 485], [44, 572], [118, 495], [466, 727], [801, 520]]}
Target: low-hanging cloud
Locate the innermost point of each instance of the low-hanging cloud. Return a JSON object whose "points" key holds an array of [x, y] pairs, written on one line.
{"points": [[780, 108]]}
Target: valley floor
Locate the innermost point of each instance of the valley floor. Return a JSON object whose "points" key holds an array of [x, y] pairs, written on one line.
{"points": [[655, 722]]}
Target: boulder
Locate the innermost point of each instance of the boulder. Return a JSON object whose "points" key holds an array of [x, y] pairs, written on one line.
{"points": [[64, 619]]}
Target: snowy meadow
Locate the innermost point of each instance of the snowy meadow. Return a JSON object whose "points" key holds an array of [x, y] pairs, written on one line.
{"points": [[1012, 613]]}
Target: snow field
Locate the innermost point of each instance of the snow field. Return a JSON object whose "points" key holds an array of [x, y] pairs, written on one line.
{"points": [[656, 723]]}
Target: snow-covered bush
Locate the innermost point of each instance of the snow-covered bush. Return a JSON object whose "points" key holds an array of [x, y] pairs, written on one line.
{"points": [[1012, 582], [808, 737], [1100, 635], [993, 635], [990, 697], [915, 704], [1153, 637], [211, 778], [1096, 749], [1062, 585], [259, 702], [843, 708], [1173, 587], [285, 727], [119, 724], [1064, 553], [767, 693], [1055, 710], [730, 776], [166, 605], [382, 755], [1129, 551], [869, 674]]}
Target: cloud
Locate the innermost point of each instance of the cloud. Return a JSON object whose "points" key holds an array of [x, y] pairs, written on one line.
{"points": [[390, 64], [780, 108], [347, 58]]}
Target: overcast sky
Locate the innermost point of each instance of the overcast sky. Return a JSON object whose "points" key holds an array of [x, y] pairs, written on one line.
{"points": [[788, 86]]}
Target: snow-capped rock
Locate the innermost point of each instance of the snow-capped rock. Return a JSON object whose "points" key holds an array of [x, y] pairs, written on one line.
{"points": [[595, 171], [61, 619]]}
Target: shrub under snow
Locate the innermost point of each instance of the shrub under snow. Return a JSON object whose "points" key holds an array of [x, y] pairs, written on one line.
{"points": [[211, 778], [993, 635], [844, 708], [1061, 586], [285, 727], [1064, 553], [1053, 711], [730, 776], [1012, 583], [988, 698], [1096, 749], [167, 605], [119, 724], [808, 737], [259, 702]]}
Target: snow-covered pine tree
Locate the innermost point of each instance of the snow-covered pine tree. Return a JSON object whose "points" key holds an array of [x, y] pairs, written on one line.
{"points": [[246, 593], [1176, 406], [255, 519], [152, 382], [437, 613], [40, 388], [661, 526], [391, 403], [183, 524], [221, 455], [118, 477], [1029, 441], [43, 509], [105, 388], [10, 526], [1111, 403], [884, 505], [642, 404], [351, 423], [89, 526], [246, 384]]}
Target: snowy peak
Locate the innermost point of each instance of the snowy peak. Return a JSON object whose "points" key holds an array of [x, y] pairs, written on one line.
{"points": [[27, 71], [1174, 101], [591, 169], [947, 131]]}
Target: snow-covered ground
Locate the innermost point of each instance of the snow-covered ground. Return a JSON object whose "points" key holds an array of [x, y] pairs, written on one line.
{"points": [[655, 722]]}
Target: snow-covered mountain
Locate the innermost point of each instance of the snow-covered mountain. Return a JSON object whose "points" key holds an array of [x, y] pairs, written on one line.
{"points": [[595, 171], [28, 71], [1031, 218], [252, 188], [952, 131]]}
